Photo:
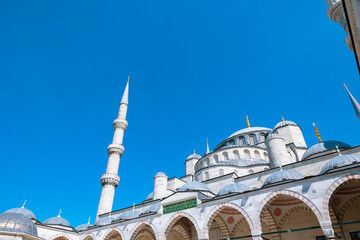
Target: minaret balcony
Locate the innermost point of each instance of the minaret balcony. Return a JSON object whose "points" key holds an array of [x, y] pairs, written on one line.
{"points": [[120, 123], [115, 148], [110, 179]]}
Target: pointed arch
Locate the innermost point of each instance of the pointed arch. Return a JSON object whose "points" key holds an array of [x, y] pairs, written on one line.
{"points": [[89, 236], [113, 233], [142, 227], [61, 236], [269, 222], [176, 217]]}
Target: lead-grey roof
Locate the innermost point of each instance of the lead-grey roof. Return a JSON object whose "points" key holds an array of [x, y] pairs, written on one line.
{"points": [[250, 129], [324, 146], [194, 186], [104, 221], [194, 155], [57, 221], [340, 161], [233, 188], [83, 227], [26, 212], [283, 175], [15, 222], [153, 208], [284, 123], [130, 214], [243, 162]]}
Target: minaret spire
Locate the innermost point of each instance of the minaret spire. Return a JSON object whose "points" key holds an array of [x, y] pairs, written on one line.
{"points": [[317, 132], [355, 103], [110, 180], [207, 146]]}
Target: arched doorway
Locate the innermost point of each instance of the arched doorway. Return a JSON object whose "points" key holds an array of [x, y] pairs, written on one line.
{"points": [[228, 222], [286, 217], [143, 232], [344, 210], [182, 228], [113, 235]]}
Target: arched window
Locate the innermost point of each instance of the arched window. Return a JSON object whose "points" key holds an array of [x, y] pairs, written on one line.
{"points": [[262, 137], [266, 156], [247, 153], [232, 142], [207, 161], [206, 176], [251, 171], [236, 154], [216, 158], [221, 172], [252, 139], [257, 154], [241, 141], [225, 155]]}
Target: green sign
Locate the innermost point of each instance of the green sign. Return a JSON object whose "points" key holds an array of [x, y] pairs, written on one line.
{"points": [[179, 206]]}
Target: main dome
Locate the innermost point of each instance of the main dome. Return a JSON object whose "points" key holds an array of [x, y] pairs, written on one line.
{"points": [[324, 146], [250, 129], [15, 222]]}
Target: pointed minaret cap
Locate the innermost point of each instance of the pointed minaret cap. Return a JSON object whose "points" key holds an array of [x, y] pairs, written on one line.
{"points": [[207, 146], [59, 213], [23, 206], [125, 97], [247, 121], [355, 103]]}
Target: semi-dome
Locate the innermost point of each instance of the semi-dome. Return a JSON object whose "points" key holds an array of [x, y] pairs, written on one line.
{"points": [[283, 175], [83, 227], [233, 188], [284, 123], [130, 214], [194, 155], [104, 221], [153, 208], [57, 221], [26, 212], [15, 222], [324, 146], [340, 161], [194, 186], [250, 129]]}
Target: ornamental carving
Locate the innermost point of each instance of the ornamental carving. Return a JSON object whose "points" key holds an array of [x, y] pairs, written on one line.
{"points": [[116, 149], [110, 179], [120, 123]]}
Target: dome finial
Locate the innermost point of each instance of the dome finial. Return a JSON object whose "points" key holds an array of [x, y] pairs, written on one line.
{"points": [[338, 150], [282, 119], [194, 151], [247, 121], [59, 213], [128, 78], [23, 206], [280, 167], [317, 132], [89, 220]]}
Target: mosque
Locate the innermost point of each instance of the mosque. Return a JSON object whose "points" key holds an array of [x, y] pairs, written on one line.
{"points": [[259, 183]]}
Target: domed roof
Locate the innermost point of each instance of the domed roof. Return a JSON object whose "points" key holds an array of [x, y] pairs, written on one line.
{"points": [[104, 221], [284, 123], [15, 222], [324, 146], [340, 161], [26, 212], [283, 175], [57, 221], [233, 188], [242, 162], [250, 129], [194, 155], [194, 186], [273, 135], [153, 208], [130, 214], [83, 227]]}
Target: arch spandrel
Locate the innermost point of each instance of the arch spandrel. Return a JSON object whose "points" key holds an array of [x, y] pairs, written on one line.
{"points": [[140, 227], [174, 219]]}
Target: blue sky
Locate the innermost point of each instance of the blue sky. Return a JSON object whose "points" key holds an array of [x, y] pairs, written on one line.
{"points": [[197, 69]]}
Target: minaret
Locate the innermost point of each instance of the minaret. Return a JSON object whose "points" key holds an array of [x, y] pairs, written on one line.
{"points": [[207, 146], [110, 180], [355, 103]]}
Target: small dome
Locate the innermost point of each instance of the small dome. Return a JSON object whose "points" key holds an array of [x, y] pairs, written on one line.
{"points": [[57, 221], [83, 227], [340, 161], [153, 208], [130, 214], [26, 212], [283, 175], [194, 186], [104, 221], [250, 129], [15, 222], [194, 155], [233, 188], [324, 146], [284, 123]]}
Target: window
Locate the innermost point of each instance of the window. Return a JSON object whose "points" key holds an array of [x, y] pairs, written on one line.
{"points": [[221, 172], [257, 154], [216, 158], [355, 235], [247, 153], [207, 161], [236, 154], [266, 156], [232, 142], [226, 156], [206, 176], [251, 171], [252, 140], [241, 141], [262, 137]]}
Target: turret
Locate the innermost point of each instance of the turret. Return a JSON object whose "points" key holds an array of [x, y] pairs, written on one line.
{"points": [[110, 180], [160, 185], [190, 163], [278, 155]]}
